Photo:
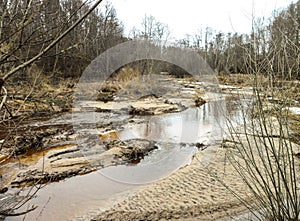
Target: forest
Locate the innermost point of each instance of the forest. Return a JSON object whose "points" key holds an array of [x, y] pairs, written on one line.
{"points": [[57, 127], [28, 27]]}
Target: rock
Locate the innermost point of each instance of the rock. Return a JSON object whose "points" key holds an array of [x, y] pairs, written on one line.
{"points": [[3, 190], [199, 101], [131, 150], [105, 96], [32, 177], [149, 96], [152, 105], [107, 93], [200, 146], [61, 164]]}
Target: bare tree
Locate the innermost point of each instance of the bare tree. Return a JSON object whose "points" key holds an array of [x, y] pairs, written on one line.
{"points": [[19, 17], [31, 31]]}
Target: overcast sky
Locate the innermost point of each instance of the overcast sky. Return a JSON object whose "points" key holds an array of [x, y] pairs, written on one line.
{"points": [[186, 17]]}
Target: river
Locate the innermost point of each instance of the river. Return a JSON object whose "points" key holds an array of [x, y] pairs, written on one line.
{"points": [[82, 197]]}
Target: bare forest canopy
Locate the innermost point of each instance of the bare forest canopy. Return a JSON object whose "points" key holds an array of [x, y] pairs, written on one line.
{"points": [[273, 46], [27, 27]]}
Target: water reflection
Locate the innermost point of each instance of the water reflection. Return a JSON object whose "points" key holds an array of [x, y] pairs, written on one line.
{"points": [[81, 196], [202, 124], [176, 135]]}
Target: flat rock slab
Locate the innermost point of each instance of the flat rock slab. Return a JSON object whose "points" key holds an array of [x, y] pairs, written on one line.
{"points": [[150, 105], [57, 165], [154, 106]]}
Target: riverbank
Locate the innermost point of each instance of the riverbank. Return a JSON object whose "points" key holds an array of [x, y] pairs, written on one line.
{"points": [[126, 138], [203, 190], [46, 150], [191, 193]]}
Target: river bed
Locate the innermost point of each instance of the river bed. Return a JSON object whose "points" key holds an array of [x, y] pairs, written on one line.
{"points": [[177, 136]]}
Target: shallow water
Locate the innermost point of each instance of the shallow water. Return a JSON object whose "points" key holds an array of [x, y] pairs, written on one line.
{"points": [[74, 197], [189, 126], [89, 194], [92, 193]]}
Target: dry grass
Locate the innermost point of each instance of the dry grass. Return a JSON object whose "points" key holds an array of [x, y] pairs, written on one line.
{"points": [[266, 161], [37, 94], [236, 79], [126, 74], [120, 79]]}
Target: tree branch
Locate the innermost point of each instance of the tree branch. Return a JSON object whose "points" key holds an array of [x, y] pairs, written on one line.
{"points": [[51, 45], [4, 97]]}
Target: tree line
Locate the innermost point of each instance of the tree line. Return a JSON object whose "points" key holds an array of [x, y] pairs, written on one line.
{"points": [[27, 27], [273, 46]]}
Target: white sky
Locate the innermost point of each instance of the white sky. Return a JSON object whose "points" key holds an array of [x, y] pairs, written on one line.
{"points": [[186, 17]]}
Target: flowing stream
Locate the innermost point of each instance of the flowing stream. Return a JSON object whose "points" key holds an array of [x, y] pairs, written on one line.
{"points": [[82, 197]]}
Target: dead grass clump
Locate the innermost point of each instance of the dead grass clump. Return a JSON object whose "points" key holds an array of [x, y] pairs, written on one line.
{"points": [[244, 80], [126, 74], [236, 79]]}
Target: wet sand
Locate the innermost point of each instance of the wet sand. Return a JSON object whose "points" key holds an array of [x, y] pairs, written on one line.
{"points": [[191, 193], [203, 190]]}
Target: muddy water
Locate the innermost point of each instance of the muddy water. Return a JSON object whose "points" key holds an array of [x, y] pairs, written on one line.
{"points": [[78, 197], [82, 197]]}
